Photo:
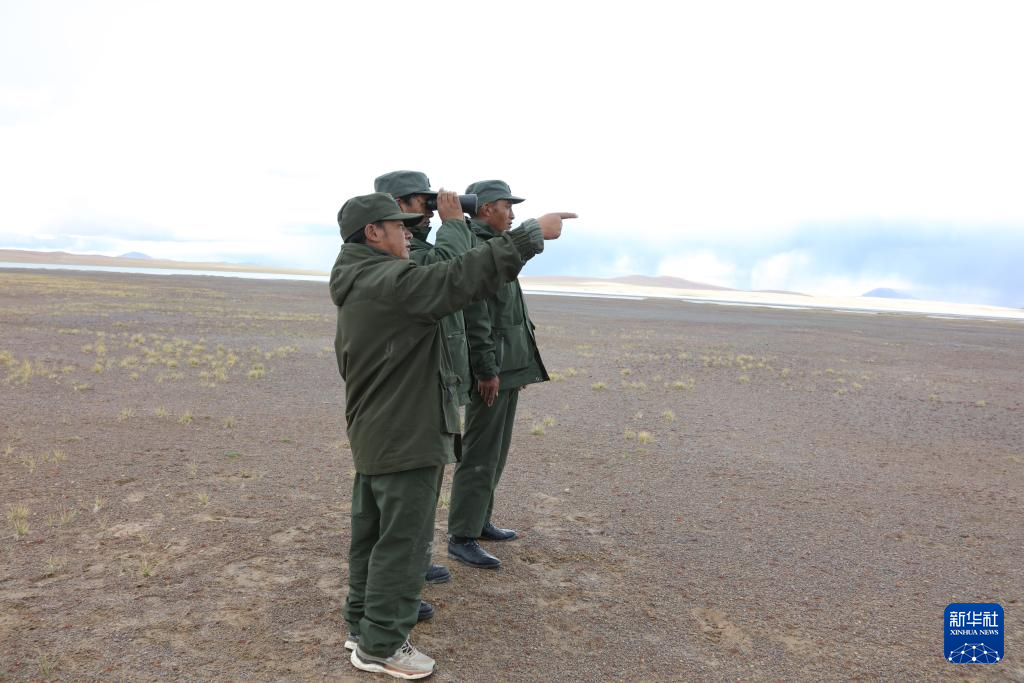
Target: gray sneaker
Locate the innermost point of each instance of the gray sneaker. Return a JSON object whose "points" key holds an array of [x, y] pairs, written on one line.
{"points": [[351, 641], [407, 662]]}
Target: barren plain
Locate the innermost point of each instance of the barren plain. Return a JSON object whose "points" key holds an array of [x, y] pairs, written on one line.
{"points": [[704, 492]]}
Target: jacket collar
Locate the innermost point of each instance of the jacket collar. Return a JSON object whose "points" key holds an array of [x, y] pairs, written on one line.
{"points": [[481, 229]]}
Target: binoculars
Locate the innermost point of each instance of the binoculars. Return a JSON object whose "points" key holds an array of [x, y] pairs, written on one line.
{"points": [[467, 201]]}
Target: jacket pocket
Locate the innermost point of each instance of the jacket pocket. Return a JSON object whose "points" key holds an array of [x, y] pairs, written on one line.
{"points": [[450, 404], [512, 348]]}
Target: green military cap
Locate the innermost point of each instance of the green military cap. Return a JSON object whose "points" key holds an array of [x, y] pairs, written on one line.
{"points": [[357, 212], [488, 191], [403, 184]]}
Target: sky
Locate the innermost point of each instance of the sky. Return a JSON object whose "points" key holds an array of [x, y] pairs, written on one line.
{"points": [[823, 147]]}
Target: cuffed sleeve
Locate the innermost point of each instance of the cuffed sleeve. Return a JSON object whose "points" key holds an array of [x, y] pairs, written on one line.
{"points": [[528, 238]]}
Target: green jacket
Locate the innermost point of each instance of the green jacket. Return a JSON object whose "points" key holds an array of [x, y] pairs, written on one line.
{"points": [[453, 239], [501, 342], [400, 401]]}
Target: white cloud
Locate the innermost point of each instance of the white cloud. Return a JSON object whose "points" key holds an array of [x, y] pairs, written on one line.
{"points": [[796, 271], [702, 265]]}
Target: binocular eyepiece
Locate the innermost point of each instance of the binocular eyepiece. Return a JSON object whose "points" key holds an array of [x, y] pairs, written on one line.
{"points": [[467, 201]]}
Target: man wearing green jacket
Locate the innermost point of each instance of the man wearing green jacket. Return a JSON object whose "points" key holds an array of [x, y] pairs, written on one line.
{"points": [[504, 358], [400, 406], [411, 189]]}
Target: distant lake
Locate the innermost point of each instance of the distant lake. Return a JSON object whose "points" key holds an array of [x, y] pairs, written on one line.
{"points": [[167, 271]]}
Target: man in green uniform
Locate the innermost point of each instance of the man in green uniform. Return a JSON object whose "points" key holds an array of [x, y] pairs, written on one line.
{"points": [[504, 357], [411, 189], [400, 405]]}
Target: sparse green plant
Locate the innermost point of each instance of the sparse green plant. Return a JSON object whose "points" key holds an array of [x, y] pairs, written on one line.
{"points": [[630, 434], [193, 468], [257, 371], [570, 372], [146, 567], [185, 418], [125, 415], [20, 527], [668, 415], [537, 430], [444, 500], [67, 515], [59, 455], [933, 397], [29, 462], [204, 498], [743, 379], [55, 565], [682, 384], [229, 423], [233, 454], [15, 512], [548, 421], [856, 386], [598, 386], [981, 404], [160, 412], [47, 663], [625, 372], [98, 504], [644, 437]]}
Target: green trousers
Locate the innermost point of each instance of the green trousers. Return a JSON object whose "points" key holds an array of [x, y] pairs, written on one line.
{"points": [[484, 452], [392, 535]]}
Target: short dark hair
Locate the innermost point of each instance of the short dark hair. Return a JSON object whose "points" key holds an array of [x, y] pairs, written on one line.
{"points": [[359, 236]]}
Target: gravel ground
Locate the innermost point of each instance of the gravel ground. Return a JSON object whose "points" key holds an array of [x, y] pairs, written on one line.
{"points": [[703, 492]]}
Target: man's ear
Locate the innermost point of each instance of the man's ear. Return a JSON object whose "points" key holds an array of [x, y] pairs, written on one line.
{"points": [[366, 232]]}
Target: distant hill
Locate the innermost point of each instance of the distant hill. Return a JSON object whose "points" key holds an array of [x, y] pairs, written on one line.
{"points": [[140, 261], [136, 255], [887, 293], [666, 281]]}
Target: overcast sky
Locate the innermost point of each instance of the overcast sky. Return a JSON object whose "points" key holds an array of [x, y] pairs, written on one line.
{"points": [[823, 147]]}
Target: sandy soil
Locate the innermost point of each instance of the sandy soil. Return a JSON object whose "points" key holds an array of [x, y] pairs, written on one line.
{"points": [[704, 492]]}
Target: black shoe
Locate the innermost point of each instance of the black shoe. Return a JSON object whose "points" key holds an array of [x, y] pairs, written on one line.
{"points": [[493, 533], [468, 551], [426, 612], [438, 574]]}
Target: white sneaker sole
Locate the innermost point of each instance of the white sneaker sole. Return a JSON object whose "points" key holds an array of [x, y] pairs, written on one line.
{"points": [[350, 644], [376, 667]]}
